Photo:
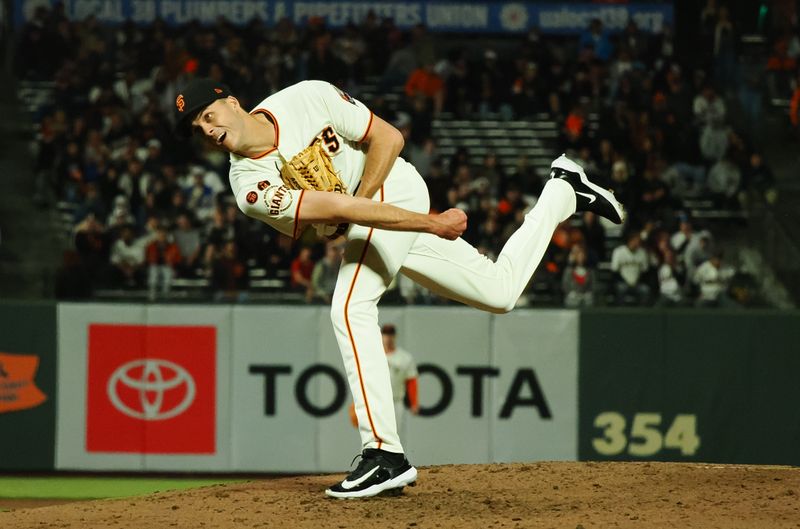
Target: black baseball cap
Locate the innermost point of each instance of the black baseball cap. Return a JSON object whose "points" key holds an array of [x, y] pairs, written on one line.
{"points": [[193, 98]]}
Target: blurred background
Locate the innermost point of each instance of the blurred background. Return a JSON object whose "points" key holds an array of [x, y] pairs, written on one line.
{"points": [[127, 271], [687, 110]]}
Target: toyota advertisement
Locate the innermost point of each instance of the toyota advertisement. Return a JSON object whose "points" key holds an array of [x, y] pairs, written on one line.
{"points": [[247, 388], [151, 389], [142, 388]]}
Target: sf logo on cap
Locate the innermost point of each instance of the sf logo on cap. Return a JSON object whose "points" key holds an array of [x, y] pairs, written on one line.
{"points": [[180, 103]]}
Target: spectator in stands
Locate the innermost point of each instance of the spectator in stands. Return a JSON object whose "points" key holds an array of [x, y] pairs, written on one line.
{"points": [[709, 108], [751, 91], [92, 203], [188, 240], [148, 209], [427, 83], [724, 180], [712, 279], [595, 236], [134, 182], [508, 206], [152, 157], [349, 48], [177, 205], [685, 180], [323, 277], [620, 182], [492, 171], [556, 257], [121, 214], [691, 245], [781, 67], [528, 93], [708, 24], [422, 157], [654, 202], [493, 88], [123, 119], [758, 182], [227, 273], [525, 174], [671, 280], [301, 270], [93, 246], [697, 254], [278, 257], [573, 134], [604, 158], [715, 142], [323, 63], [163, 256], [127, 259], [69, 173], [402, 62], [200, 197], [578, 280], [725, 51], [635, 42], [458, 97], [421, 114], [594, 42], [630, 263]]}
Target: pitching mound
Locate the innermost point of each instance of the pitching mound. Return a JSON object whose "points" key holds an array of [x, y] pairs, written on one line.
{"points": [[564, 495]]}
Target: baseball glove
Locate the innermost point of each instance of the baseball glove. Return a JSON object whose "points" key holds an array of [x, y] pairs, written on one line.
{"points": [[312, 169]]}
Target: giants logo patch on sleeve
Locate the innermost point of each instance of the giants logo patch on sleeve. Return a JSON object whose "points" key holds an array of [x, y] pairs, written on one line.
{"points": [[277, 199], [344, 95]]}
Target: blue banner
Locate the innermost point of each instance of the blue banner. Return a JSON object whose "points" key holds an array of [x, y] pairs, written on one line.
{"points": [[465, 17]]}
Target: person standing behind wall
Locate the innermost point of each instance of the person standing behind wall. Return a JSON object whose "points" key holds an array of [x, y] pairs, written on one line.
{"points": [[403, 374]]}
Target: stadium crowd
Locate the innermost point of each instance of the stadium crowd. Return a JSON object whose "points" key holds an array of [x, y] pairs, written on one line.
{"points": [[656, 128]]}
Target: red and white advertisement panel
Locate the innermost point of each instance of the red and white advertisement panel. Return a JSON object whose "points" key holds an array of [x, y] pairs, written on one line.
{"points": [[151, 389], [143, 388]]}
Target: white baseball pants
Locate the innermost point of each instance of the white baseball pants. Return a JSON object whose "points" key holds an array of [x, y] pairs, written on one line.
{"points": [[453, 269]]}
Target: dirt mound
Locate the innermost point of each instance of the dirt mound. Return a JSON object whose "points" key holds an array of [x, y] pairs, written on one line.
{"points": [[553, 494]]}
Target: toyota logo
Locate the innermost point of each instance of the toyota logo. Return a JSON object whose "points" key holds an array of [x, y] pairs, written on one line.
{"points": [[150, 379]]}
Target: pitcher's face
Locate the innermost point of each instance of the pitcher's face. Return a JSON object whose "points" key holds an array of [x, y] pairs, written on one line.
{"points": [[221, 123]]}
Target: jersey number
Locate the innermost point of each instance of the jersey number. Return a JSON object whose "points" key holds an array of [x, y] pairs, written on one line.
{"points": [[330, 139]]}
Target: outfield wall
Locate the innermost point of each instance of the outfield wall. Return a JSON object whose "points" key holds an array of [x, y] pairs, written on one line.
{"points": [[261, 388]]}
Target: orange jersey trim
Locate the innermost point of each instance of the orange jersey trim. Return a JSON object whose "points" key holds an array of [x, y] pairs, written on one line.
{"points": [[271, 117], [350, 333], [369, 126], [297, 214], [352, 340]]}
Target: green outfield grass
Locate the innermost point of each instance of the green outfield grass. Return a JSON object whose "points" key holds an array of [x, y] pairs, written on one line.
{"points": [[90, 487]]}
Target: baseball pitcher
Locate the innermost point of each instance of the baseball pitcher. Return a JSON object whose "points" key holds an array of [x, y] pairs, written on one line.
{"points": [[312, 155]]}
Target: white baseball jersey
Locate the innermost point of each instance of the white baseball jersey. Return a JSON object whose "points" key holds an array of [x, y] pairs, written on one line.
{"points": [[712, 280], [301, 114], [373, 257], [401, 368], [629, 264]]}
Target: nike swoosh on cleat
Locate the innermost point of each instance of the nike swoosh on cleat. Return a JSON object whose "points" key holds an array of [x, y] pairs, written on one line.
{"points": [[591, 198], [356, 482]]}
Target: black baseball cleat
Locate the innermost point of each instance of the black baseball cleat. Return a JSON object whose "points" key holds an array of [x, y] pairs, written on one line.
{"points": [[588, 196], [378, 472]]}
